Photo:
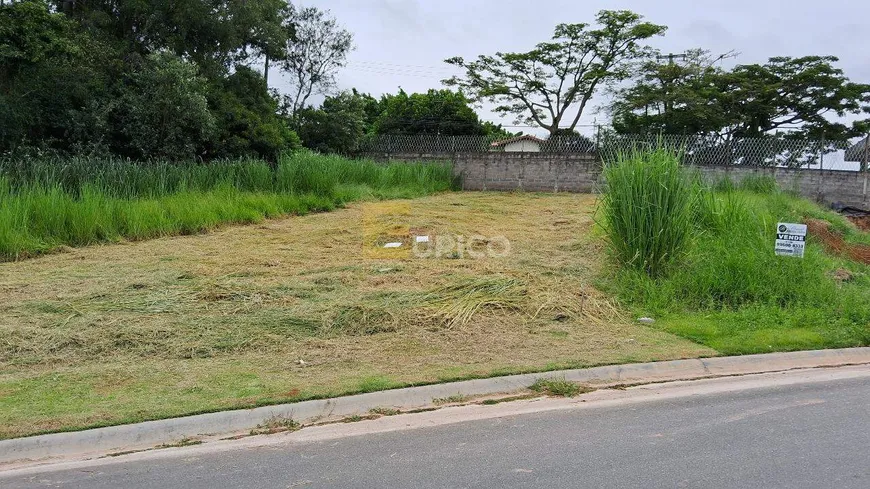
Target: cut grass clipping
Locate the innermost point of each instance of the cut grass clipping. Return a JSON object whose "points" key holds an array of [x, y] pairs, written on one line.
{"points": [[710, 272], [48, 204], [250, 316]]}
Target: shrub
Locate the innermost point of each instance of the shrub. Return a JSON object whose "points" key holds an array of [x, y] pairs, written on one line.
{"points": [[163, 111], [247, 119]]}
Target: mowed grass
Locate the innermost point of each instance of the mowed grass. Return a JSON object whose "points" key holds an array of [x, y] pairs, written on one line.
{"points": [[310, 306], [48, 204]]}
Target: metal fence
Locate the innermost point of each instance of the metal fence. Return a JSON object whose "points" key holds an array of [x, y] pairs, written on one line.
{"points": [[774, 151], [437, 144]]}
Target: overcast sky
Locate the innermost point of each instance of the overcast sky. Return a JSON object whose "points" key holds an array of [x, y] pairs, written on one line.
{"points": [[403, 43]]}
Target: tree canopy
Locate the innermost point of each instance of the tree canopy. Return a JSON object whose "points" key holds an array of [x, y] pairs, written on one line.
{"points": [[551, 85], [317, 49], [442, 112], [156, 79], [805, 95], [343, 121]]}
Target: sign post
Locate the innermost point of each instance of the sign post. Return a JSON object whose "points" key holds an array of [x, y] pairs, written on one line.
{"points": [[791, 239]]}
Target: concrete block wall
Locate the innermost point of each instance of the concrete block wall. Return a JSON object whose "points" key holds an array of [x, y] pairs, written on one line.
{"points": [[532, 172], [827, 186], [581, 172]]}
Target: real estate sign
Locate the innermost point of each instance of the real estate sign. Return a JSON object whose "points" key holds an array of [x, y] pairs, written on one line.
{"points": [[791, 239]]}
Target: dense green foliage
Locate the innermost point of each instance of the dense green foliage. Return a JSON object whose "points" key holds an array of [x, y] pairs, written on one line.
{"points": [[442, 112], [731, 292], [343, 122], [163, 79], [46, 204], [340, 124], [246, 122], [698, 97]]}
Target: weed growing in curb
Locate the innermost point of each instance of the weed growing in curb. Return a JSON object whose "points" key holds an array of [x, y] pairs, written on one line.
{"points": [[558, 388], [385, 411], [356, 418], [277, 424], [454, 399], [184, 442], [493, 402]]}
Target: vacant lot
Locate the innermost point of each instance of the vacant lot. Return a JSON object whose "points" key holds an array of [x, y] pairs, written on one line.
{"points": [[309, 306]]}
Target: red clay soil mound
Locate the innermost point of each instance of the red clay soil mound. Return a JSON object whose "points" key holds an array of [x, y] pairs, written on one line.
{"points": [[822, 230], [863, 222]]}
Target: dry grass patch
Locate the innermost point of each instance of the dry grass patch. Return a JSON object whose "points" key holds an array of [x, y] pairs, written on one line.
{"points": [[308, 307]]}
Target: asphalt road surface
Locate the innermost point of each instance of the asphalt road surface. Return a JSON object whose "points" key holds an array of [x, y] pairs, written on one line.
{"points": [[813, 435]]}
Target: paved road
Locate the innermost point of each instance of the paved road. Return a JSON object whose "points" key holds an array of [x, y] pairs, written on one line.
{"points": [[810, 435]]}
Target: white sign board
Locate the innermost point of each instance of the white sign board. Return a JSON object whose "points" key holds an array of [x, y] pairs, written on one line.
{"points": [[791, 239]]}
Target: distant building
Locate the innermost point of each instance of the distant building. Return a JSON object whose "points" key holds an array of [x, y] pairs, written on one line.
{"points": [[519, 144], [857, 152]]}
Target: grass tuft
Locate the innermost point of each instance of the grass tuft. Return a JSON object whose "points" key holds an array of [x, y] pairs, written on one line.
{"points": [[277, 424], [558, 387], [647, 209]]}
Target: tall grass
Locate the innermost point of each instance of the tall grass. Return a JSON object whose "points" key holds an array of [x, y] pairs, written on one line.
{"points": [[730, 291], [647, 209], [46, 204]]}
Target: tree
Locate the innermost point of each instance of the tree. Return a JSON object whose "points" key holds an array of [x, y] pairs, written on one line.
{"points": [[802, 92], [53, 80], [30, 34], [543, 86], [247, 118], [673, 98], [315, 52], [340, 125], [143, 79], [214, 34], [798, 94], [163, 111], [442, 112]]}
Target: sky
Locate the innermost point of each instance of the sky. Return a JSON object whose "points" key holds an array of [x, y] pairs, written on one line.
{"points": [[403, 43]]}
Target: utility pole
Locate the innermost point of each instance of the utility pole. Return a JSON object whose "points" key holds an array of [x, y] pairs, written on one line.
{"points": [[866, 154], [666, 82]]}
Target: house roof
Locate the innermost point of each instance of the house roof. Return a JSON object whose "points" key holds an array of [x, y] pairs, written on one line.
{"points": [[526, 137], [857, 152]]}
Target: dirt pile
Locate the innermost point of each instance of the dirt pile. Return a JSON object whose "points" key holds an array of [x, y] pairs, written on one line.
{"points": [[822, 230], [863, 222]]}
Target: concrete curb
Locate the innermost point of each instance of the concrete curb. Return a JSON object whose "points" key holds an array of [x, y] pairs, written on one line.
{"points": [[150, 434]]}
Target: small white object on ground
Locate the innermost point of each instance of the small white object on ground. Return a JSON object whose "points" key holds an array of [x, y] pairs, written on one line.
{"points": [[393, 245], [301, 363], [646, 320], [422, 239]]}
